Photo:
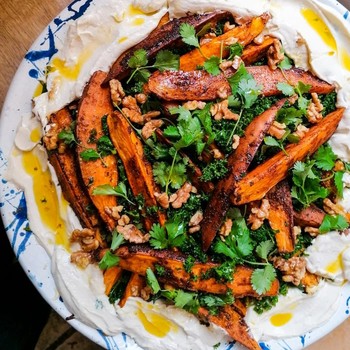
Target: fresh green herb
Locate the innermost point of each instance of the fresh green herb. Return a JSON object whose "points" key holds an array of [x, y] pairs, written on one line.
{"points": [[272, 142], [206, 119], [328, 102], [152, 281], [189, 262], [286, 89], [165, 174], [215, 170], [212, 65], [235, 50], [339, 184], [68, 137], [89, 154], [333, 222], [183, 300], [160, 270], [188, 35], [118, 289], [262, 279], [325, 157], [172, 234], [213, 302], [286, 63], [264, 304], [264, 249], [105, 146], [108, 260], [290, 116], [117, 240], [108, 190]]}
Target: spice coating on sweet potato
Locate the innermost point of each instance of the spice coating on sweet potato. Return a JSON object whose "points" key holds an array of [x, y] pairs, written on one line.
{"points": [[311, 216], [238, 163], [95, 104], [259, 181], [281, 216]]}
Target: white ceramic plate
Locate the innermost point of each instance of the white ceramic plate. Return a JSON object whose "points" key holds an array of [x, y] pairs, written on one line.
{"points": [[30, 254]]}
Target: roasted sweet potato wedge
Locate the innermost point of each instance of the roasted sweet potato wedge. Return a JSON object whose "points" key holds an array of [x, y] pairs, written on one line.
{"points": [[163, 37], [133, 289], [137, 168], [244, 33], [139, 258], [202, 86], [67, 171], [238, 163], [110, 277], [311, 216], [254, 52], [281, 216], [95, 104], [259, 181], [233, 323]]}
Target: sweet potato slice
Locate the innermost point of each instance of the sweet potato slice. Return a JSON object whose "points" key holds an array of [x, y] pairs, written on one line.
{"points": [[259, 181], [163, 37], [139, 258], [233, 323], [110, 277], [311, 216], [138, 169], [202, 86], [281, 216], [133, 288], [95, 104], [244, 34], [238, 163], [254, 52], [67, 171]]}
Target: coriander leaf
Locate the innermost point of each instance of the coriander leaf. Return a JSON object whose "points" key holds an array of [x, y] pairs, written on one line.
{"points": [[333, 222], [235, 50], [242, 236], [117, 240], [222, 248], [163, 171], [236, 78], [286, 63], [205, 118], [290, 116], [152, 281], [183, 298], [166, 60], [183, 113], [286, 89], [141, 75], [67, 136], [234, 102], [158, 238], [271, 141], [171, 131], [262, 279], [108, 260], [303, 103], [176, 233], [105, 146], [138, 59], [325, 157], [108, 190], [302, 88], [264, 248], [188, 35], [249, 91], [339, 184], [89, 154], [212, 65]]}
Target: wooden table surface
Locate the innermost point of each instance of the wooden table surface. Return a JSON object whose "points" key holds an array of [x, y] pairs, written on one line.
{"points": [[20, 23]]}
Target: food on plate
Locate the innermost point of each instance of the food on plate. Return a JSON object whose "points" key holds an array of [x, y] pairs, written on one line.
{"points": [[202, 171]]}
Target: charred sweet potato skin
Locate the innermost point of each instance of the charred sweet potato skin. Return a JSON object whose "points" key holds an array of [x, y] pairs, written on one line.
{"points": [[281, 216], [135, 285], [95, 104], [163, 37], [67, 171], [259, 181], [244, 35], [139, 258], [238, 163], [311, 216]]}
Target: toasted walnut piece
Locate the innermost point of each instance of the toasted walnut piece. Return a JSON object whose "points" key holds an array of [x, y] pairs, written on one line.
{"points": [[312, 231], [86, 238], [162, 199], [133, 115], [81, 259], [117, 91], [293, 269], [277, 130], [124, 220], [296, 232], [146, 293], [132, 234], [317, 102], [334, 209], [181, 196], [220, 111], [226, 227], [131, 103], [339, 166], [194, 190], [196, 218], [275, 54], [313, 115], [114, 212], [301, 131], [225, 65], [259, 214], [228, 64], [150, 115], [150, 127], [259, 39], [141, 98], [193, 105], [194, 229], [78, 235], [217, 154], [230, 41], [207, 38], [228, 26], [235, 141], [62, 147], [222, 93], [51, 137]]}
